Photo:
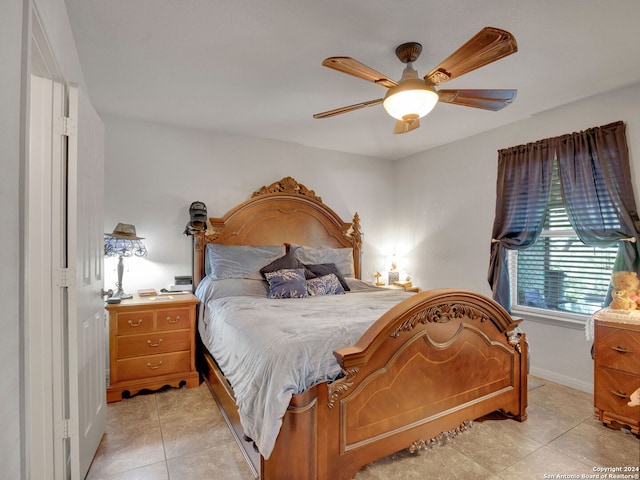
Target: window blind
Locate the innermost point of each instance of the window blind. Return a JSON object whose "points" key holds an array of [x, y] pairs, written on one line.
{"points": [[559, 272]]}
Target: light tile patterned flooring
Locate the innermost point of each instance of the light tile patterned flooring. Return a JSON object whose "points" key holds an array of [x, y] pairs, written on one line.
{"points": [[179, 434]]}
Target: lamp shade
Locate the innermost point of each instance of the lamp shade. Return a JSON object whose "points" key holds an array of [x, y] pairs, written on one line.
{"points": [[123, 242], [410, 97], [121, 247]]}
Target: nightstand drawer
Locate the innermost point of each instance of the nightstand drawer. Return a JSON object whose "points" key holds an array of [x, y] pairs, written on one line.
{"points": [[618, 349], [134, 322], [153, 365], [173, 319], [613, 390], [153, 343]]}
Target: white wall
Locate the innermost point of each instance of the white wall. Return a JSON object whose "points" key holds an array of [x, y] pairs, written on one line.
{"points": [[445, 205], [153, 172]]}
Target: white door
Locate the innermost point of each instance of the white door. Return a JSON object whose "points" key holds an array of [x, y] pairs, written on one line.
{"points": [[86, 317]]}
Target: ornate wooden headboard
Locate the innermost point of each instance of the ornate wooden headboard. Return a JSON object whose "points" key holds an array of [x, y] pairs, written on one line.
{"points": [[284, 212]]}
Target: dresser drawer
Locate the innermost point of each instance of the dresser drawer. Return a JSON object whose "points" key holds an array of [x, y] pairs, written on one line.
{"points": [[613, 390], [134, 322], [153, 343], [618, 349], [153, 365], [173, 319]]}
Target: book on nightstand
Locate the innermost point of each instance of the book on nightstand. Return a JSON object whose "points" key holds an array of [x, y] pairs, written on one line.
{"points": [[148, 292]]}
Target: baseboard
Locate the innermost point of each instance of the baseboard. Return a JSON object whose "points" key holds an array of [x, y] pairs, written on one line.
{"points": [[562, 379]]}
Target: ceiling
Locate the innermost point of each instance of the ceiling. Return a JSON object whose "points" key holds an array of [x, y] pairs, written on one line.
{"points": [[253, 68]]}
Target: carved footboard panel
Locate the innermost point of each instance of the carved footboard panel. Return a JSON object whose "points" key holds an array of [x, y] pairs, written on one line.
{"points": [[430, 364]]}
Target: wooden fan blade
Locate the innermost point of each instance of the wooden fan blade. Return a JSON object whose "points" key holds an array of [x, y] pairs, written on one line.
{"points": [[486, 99], [357, 69], [406, 126], [488, 45], [350, 108]]}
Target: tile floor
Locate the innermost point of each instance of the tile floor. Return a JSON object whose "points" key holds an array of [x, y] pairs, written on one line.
{"points": [[179, 434]]}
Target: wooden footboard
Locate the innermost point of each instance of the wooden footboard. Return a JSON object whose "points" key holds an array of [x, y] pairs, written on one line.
{"points": [[436, 360]]}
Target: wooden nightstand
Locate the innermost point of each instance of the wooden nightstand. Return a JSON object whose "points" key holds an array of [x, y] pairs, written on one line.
{"points": [[151, 344], [617, 372]]}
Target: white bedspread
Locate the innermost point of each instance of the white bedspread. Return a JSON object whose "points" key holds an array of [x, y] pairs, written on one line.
{"points": [[270, 349]]}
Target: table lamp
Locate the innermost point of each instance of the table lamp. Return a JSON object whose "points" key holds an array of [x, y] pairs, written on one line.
{"points": [[123, 242]]}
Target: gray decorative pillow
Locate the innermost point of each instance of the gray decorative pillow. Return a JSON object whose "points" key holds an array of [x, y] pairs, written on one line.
{"points": [[287, 283], [325, 285], [341, 257], [239, 261], [322, 269]]}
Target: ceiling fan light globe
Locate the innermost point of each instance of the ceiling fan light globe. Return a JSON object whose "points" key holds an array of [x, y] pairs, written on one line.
{"points": [[410, 99]]}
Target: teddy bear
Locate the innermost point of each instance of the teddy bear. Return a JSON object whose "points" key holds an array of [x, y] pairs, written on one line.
{"points": [[625, 291]]}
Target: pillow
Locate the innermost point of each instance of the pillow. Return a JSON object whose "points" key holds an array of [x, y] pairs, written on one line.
{"points": [[356, 285], [341, 257], [322, 269], [287, 261], [325, 285], [210, 289], [239, 261], [287, 283]]}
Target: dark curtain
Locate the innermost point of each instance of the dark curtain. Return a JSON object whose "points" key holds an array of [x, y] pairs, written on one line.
{"points": [[596, 186], [595, 178], [522, 193]]}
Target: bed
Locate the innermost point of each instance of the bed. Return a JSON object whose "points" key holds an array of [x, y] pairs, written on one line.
{"points": [[425, 364]]}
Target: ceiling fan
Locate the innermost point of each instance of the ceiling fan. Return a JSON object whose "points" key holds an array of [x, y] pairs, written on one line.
{"points": [[412, 98]]}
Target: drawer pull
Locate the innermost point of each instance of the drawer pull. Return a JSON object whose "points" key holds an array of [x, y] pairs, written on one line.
{"points": [[172, 320], [154, 367], [619, 394], [154, 344], [131, 324], [622, 350]]}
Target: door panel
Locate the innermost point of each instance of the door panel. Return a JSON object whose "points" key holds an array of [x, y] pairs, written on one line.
{"points": [[86, 322]]}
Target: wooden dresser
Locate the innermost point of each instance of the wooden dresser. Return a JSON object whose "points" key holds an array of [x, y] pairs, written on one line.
{"points": [[151, 344], [617, 370]]}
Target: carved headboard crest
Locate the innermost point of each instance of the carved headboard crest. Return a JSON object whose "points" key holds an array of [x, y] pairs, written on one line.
{"points": [[287, 185]]}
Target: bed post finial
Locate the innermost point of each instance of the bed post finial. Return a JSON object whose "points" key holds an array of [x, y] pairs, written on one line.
{"points": [[356, 231]]}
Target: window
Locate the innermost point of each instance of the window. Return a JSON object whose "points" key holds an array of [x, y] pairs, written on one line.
{"points": [[559, 272]]}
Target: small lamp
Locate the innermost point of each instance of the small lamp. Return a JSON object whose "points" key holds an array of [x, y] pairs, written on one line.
{"points": [[123, 242], [394, 274]]}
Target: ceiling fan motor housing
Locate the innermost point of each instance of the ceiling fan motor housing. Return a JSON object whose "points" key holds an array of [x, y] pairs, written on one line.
{"points": [[410, 97], [409, 52]]}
